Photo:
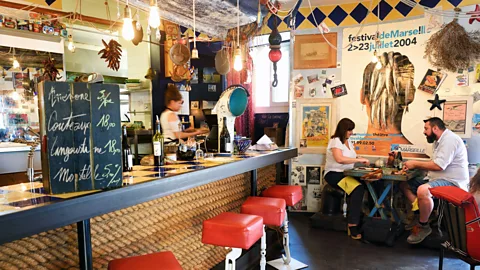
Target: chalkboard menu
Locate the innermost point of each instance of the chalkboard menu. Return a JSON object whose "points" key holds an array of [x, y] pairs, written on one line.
{"points": [[81, 136]]}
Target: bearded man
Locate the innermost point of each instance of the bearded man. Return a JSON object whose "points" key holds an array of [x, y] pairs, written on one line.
{"points": [[448, 167]]}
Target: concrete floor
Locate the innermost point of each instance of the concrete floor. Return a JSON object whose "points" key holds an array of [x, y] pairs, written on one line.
{"points": [[322, 249]]}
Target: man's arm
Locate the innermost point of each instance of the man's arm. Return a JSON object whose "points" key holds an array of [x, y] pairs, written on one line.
{"points": [[423, 165]]}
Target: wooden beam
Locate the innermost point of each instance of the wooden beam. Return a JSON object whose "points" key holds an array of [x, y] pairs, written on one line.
{"points": [[57, 13]]}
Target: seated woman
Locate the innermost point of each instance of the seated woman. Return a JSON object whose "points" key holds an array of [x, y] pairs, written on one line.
{"points": [[475, 187], [169, 120], [341, 156]]}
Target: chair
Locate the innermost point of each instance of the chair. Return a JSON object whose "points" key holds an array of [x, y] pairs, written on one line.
{"points": [[155, 261], [140, 136], [463, 224]]}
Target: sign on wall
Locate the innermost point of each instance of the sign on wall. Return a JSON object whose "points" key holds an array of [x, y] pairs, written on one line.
{"points": [[81, 136], [384, 101]]}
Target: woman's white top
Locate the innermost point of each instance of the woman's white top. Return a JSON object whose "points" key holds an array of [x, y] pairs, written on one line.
{"points": [[331, 164], [169, 128]]}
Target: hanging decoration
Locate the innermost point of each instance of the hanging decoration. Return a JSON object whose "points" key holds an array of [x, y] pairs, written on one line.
{"points": [[275, 54], [127, 29], [50, 72], [112, 53], [436, 103], [453, 48], [194, 50], [237, 58], [154, 17]]}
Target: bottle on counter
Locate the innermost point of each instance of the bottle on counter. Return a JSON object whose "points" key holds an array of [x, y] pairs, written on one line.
{"points": [[400, 160], [127, 156], [225, 143], [158, 150]]}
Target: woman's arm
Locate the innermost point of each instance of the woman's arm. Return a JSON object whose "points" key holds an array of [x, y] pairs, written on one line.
{"points": [[172, 118], [340, 158]]}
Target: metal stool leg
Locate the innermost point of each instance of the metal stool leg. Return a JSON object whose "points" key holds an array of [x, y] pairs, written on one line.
{"points": [[232, 256], [263, 252], [287, 262]]}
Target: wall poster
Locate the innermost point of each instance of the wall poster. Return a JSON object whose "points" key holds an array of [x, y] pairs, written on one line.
{"points": [[457, 112], [383, 101], [315, 124]]}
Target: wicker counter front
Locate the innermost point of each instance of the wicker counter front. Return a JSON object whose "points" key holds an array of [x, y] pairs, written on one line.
{"points": [[170, 223]]}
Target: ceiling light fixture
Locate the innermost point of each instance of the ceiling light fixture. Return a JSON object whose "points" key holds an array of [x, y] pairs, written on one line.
{"points": [[71, 45], [375, 58], [127, 30], [237, 59], [15, 63], [154, 17]]}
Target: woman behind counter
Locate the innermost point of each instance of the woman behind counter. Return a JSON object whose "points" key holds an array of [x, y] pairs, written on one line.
{"points": [[169, 119], [341, 156]]}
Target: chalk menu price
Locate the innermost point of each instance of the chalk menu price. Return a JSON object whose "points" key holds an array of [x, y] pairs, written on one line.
{"points": [[80, 126]]}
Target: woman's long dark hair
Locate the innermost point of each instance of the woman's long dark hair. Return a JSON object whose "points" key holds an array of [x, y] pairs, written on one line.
{"points": [[343, 126], [475, 183]]}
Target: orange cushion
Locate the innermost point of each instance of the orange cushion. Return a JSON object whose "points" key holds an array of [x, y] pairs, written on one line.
{"points": [[291, 194], [155, 261], [232, 230], [272, 210]]}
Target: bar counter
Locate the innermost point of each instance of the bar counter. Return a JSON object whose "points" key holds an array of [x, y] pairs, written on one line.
{"points": [[154, 211]]}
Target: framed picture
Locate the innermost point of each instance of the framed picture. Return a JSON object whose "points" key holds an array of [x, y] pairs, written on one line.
{"points": [[297, 176], [313, 51], [314, 175], [314, 198], [212, 88], [457, 115], [314, 124]]}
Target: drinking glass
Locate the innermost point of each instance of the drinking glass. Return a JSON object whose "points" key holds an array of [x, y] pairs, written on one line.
{"points": [[199, 155]]}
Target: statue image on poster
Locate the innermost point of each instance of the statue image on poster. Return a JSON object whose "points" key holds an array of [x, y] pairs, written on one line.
{"points": [[386, 94]]}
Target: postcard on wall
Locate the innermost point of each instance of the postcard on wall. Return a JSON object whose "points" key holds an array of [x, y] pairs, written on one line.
{"points": [[194, 79], [431, 81], [314, 174], [477, 73], [298, 175], [314, 196], [212, 88], [457, 115], [339, 90], [476, 124], [461, 79]]}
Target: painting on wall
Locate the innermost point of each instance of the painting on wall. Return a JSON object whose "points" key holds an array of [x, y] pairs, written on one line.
{"points": [[314, 127], [315, 51], [457, 115]]}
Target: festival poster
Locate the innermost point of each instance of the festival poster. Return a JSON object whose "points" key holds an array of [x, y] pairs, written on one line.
{"points": [[383, 101]]}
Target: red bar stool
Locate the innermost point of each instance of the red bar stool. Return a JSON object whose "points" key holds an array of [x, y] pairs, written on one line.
{"points": [[155, 261], [272, 210], [292, 195], [232, 230]]}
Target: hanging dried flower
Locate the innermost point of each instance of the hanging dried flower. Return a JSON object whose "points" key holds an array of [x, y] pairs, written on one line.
{"points": [[453, 48], [50, 72], [112, 53]]}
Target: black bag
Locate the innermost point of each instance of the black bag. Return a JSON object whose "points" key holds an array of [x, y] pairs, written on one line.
{"points": [[381, 231]]}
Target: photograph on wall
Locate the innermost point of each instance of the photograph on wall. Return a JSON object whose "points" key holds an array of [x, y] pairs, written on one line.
{"points": [[314, 196], [339, 90], [313, 175], [477, 73], [312, 78], [315, 126], [431, 81], [194, 105], [194, 79], [298, 175], [461, 79], [210, 75], [476, 124], [383, 98], [299, 89], [17, 78], [212, 88], [313, 51]]}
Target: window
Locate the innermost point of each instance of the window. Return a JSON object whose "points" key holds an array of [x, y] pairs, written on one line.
{"points": [[267, 96]]}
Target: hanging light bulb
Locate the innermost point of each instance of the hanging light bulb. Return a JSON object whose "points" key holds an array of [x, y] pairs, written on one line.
{"points": [[138, 25], [15, 63], [194, 50], [149, 32], [237, 60], [71, 45], [119, 14], [374, 58], [15, 95], [154, 17], [378, 65], [127, 30]]}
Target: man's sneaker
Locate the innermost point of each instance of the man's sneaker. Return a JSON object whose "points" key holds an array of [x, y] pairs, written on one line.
{"points": [[419, 233], [412, 223]]}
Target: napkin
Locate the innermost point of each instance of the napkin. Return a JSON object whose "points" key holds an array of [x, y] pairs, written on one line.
{"points": [[264, 144], [348, 184]]}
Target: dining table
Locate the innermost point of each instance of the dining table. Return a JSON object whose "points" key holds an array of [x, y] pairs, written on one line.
{"points": [[390, 180]]}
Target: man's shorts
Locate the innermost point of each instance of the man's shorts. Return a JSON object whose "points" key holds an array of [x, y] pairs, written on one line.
{"points": [[414, 183]]}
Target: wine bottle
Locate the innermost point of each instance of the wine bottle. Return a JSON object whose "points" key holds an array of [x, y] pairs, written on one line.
{"points": [[158, 140], [225, 143], [127, 152]]}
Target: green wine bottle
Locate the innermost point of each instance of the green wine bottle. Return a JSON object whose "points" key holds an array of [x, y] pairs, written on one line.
{"points": [[158, 142]]}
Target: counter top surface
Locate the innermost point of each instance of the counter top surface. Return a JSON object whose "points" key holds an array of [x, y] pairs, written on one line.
{"points": [[25, 209]]}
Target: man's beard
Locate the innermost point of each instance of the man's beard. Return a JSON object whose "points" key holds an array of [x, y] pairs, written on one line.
{"points": [[431, 138]]}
